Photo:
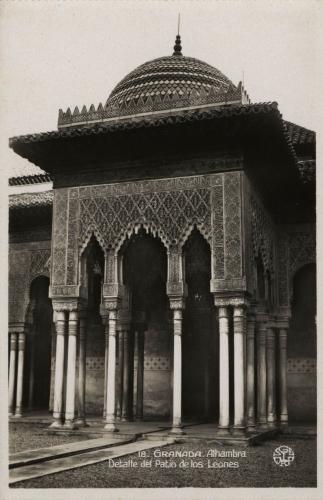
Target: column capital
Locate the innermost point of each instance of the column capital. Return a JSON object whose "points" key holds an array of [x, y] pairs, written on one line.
{"points": [[223, 312], [227, 300], [282, 335], [282, 323], [72, 323], [13, 340], [21, 341], [66, 305], [177, 303], [270, 338], [239, 311], [111, 304]]}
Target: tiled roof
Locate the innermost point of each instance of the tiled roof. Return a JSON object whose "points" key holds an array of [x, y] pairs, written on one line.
{"points": [[149, 121], [298, 134], [307, 170], [29, 179], [25, 200]]}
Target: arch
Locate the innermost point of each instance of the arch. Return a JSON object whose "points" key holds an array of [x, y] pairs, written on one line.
{"points": [[144, 275], [134, 228], [188, 232], [198, 342], [301, 346], [39, 318], [260, 278], [89, 234], [91, 274]]}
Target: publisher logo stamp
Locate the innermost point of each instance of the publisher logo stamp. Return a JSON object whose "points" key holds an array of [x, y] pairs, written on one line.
{"points": [[283, 456]]}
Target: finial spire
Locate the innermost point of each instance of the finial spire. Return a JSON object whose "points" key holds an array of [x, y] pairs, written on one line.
{"points": [[178, 46]]}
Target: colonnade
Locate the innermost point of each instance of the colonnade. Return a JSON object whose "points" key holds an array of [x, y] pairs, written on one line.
{"points": [[16, 371], [259, 357]]}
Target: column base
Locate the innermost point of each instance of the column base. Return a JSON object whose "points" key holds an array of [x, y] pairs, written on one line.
{"points": [[177, 430], [57, 424], [126, 419], [80, 422], [238, 430], [223, 430], [271, 422], [70, 425], [17, 414], [110, 427], [262, 426], [251, 428]]}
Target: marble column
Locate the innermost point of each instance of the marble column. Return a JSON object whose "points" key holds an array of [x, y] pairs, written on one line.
{"points": [[12, 372], [177, 373], [262, 375], [120, 372], [20, 373], [71, 371], [106, 361], [126, 376], [131, 373], [239, 368], [140, 338], [224, 418], [59, 369], [283, 376], [81, 420], [31, 370], [111, 386], [271, 370], [251, 372]]}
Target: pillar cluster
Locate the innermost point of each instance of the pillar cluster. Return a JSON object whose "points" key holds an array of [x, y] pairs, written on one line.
{"points": [[252, 350], [70, 376], [16, 371]]}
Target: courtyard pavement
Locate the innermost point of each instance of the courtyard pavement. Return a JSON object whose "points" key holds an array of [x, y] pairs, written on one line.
{"points": [[255, 467]]}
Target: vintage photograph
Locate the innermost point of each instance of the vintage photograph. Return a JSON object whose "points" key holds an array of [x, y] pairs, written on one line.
{"points": [[160, 159]]}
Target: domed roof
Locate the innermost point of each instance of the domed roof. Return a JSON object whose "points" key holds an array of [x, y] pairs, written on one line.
{"points": [[170, 82]]}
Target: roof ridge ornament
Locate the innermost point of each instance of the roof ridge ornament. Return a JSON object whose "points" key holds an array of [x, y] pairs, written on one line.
{"points": [[178, 46]]}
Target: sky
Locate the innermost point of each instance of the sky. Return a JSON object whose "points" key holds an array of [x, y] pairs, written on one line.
{"points": [[58, 54]]}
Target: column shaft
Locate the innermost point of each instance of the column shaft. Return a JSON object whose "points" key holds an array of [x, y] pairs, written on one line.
{"points": [[251, 373], [71, 370], [31, 371], [271, 404], [106, 361], [120, 373], [283, 376], [82, 373], [20, 373], [110, 404], [224, 368], [131, 374], [239, 368], [59, 369], [140, 336], [126, 376], [262, 375], [12, 372], [177, 373]]}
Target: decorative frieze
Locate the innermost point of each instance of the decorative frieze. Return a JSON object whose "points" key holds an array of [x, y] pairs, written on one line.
{"points": [[301, 365], [302, 250], [263, 235], [167, 207], [39, 263]]}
